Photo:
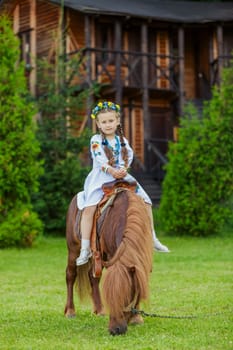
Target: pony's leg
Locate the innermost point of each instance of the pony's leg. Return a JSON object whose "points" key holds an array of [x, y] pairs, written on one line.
{"points": [[70, 279], [73, 246], [95, 294], [135, 318]]}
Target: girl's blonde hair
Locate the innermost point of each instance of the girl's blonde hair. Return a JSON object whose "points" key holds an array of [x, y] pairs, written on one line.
{"points": [[103, 107]]}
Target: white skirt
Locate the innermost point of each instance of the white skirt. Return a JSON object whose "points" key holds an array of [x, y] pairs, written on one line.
{"points": [[93, 193]]}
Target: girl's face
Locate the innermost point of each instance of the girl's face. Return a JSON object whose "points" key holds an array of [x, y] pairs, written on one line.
{"points": [[107, 122]]}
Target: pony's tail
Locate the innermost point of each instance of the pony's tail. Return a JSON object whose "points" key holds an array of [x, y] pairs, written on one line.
{"points": [[82, 283]]}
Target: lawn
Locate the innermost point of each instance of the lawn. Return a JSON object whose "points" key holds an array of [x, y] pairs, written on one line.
{"points": [[196, 278]]}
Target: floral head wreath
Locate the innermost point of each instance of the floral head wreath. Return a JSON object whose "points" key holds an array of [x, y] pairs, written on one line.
{"points": [[106, 105]]}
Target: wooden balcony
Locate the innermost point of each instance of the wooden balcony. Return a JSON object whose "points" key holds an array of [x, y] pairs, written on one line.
{"points": [[127, 70], [135, 74]]}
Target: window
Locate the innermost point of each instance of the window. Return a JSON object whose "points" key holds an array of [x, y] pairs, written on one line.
{"points": [[25, 48]]}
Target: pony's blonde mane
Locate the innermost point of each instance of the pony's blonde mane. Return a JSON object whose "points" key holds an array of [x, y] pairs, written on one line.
{"points": [[129, 269]]}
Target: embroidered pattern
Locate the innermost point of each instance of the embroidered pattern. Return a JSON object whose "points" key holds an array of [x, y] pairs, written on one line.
{"points": [[105, 168], [95, 146]]}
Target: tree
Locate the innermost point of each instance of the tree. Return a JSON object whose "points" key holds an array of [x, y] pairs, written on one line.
{"points": [[63, 137], [19, 168], [198, 186]]}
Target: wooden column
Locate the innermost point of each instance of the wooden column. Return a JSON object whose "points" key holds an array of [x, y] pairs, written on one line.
{"points": [[118, 82], [87, 30], [211, 58], [62, 47], [181, 68], [145, 95], [16, 19], [32, 79], [220, 50]]}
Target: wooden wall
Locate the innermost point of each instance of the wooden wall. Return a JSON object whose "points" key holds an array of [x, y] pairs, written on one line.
{"points": [[24, 15], [189, 67], [133, 129], [47, 33], [76, 25], [162, 49]]}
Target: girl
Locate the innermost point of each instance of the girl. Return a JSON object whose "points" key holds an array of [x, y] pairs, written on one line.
{"points": [[112, 157]]}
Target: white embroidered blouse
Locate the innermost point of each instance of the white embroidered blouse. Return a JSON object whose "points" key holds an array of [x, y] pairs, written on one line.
{"points": [[92, 193]]}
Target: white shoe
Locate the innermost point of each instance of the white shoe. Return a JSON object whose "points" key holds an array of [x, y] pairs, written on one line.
{"points": [[159, 247], [84, 256]]}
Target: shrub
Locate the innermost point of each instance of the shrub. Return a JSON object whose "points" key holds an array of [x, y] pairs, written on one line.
{"points": [[20, 228], [198, 185], [19, 168], [58, 186]]}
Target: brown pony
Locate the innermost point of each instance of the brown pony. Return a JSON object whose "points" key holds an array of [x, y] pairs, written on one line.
{"points": [[126, 252]]}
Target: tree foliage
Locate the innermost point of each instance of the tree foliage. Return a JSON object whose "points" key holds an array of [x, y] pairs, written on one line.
{"points": [[64, 140], [19, 169], [198, 186]]}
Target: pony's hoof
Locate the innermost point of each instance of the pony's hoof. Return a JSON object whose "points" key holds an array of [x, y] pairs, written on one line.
{"points": [[99, 313], [136, 319], [70, 314], [102, 313]]}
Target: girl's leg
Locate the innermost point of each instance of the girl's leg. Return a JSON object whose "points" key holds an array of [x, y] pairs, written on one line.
{"points": [[85, 227], [158, 246]]}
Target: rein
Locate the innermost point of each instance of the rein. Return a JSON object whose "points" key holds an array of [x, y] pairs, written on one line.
{"points": [[145, 314]]}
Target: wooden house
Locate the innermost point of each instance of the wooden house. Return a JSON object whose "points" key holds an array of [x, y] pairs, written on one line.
{"points": [[151, 57]]}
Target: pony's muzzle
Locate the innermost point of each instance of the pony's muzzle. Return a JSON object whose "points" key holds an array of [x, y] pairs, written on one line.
{"points": [[116, 328]]}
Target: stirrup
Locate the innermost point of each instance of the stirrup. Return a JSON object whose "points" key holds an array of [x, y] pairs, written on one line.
{"points": [[84, 256]]}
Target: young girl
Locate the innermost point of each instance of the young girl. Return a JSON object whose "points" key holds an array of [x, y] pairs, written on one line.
{"points": [[112, 157]]}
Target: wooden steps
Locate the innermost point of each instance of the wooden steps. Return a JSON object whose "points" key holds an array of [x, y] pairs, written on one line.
{"points": [[150, 185]]}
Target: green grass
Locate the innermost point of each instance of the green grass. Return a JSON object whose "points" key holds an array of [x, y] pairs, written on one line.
{"points": [[196, 278]]}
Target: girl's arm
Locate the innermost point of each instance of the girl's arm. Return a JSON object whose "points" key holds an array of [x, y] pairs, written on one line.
{"points": [[97, 152]]}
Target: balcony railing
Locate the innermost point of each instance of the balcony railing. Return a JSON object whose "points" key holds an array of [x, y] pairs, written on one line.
{"points": [[127, 69], [156, 159], [222, 61]]}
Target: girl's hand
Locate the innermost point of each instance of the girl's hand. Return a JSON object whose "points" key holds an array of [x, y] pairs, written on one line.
{"points": [[117, 173], [121, 173]]}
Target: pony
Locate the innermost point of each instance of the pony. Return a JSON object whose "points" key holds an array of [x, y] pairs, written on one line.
{"points": [[125, 246]]}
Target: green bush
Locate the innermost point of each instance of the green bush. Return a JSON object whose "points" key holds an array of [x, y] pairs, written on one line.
{"points": [[58, 186], [19, 168], [20, 228], [198, 185]]}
